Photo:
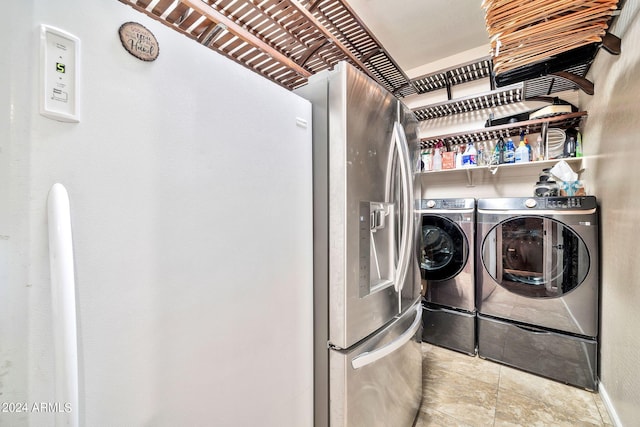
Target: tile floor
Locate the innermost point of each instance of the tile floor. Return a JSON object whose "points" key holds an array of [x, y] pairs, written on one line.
{"points": [[465, 391]]}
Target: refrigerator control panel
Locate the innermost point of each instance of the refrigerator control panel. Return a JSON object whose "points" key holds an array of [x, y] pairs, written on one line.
{"points": [[59, 59]]}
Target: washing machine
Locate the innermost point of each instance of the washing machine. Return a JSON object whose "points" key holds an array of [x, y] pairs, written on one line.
{"points": [[538, 285], [447, 268]]}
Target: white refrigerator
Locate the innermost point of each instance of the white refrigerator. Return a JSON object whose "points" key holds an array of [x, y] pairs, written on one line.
{"points": [[190, 210]]}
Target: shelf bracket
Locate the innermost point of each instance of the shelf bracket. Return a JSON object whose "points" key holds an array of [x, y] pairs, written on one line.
{"points": [[583, 83], [612, 43]]}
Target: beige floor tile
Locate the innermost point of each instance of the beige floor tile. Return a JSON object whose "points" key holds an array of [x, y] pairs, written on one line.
{"points": [[514, 409], [432, 418], [439, 361], [466, 399], [465, 391], [574, 403]]}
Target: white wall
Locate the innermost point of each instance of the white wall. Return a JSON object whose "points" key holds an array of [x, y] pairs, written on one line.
{"points": [[182, 196], [611, 141]]}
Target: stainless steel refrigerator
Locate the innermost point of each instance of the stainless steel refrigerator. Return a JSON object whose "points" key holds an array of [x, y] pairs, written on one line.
{"points": [[367, 318]]}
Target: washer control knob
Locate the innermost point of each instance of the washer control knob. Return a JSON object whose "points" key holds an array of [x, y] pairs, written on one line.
{"points": [[431, 203], [530, 203]]}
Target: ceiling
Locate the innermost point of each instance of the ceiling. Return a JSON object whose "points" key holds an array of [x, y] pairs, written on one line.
{"points": [[425, 36], [412, 47]]}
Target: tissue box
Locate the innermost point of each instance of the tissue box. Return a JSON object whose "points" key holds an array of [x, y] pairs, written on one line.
{"points": [[572, 188]]}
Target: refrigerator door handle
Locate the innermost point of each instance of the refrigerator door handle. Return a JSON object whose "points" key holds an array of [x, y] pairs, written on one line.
{"points": [[63, 302], [407, 192], [370, 357]]}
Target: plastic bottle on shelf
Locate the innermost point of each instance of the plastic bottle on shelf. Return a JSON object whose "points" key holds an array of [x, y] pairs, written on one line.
{"points": [[480, 156], [498, 153], [459, 156], [539, 149], [522, 153], [427, 160], [529, 149], [569, 147], [470, 156], [521, 140], [509, 152], [579, 145], [437, 160]]}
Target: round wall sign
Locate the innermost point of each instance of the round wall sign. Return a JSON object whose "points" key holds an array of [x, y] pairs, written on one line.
{"points": [[139, 41]]}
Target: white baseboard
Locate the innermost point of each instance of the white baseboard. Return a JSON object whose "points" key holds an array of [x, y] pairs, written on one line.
{"points": [[609, 406]]}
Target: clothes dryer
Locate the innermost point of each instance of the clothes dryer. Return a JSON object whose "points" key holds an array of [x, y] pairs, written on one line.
{"points": [[538, 285], [448, 272]]}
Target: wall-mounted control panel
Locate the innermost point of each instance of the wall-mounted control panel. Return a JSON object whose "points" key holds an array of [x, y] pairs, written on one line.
{"points": [[59, 73]]}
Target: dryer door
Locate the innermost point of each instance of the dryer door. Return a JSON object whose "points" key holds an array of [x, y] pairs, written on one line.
{"points": [[535, 257], [444, 248]]}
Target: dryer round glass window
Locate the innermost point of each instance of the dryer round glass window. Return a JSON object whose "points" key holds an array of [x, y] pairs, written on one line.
{"points": [[535, 256], [444, 248]]}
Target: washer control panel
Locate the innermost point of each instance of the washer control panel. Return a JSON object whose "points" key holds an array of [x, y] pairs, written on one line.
{"points": [[564, 202], [448, 204], [560, 203], [580, 203]]}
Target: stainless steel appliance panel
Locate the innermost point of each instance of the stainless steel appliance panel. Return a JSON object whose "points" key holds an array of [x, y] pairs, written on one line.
{"points": [[562, 357], [447, 257], [539, 265], [411, 289], [451, 329], [374, 383], [364, 239], [364, 163]]}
